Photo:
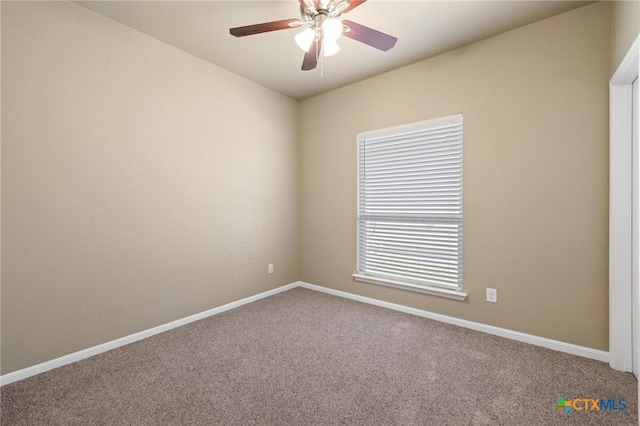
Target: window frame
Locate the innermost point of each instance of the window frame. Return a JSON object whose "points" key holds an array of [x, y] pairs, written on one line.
{"points": [[443, 291]]}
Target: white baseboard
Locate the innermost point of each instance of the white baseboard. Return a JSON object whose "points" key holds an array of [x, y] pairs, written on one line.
{"points": [[502, 332], [113, 344]]}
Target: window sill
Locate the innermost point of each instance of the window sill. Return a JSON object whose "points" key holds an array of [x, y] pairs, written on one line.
{"points": [[434, 291]]}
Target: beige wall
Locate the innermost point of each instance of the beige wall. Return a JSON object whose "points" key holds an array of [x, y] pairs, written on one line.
{"points": [[535, 103], [139, 183], [625, 27]]}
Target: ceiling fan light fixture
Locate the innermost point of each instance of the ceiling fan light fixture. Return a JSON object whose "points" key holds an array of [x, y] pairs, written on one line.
{"points": [[321, 26], [330, 47], [331, 29], [305, 38]]}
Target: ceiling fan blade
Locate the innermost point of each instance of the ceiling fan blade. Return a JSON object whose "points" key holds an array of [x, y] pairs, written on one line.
{"points": [[366, 35], [265, 27], [310, 60], [353, 4]]}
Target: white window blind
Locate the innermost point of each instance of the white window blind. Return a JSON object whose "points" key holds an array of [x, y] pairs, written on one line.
{"points": [[410, 203]]}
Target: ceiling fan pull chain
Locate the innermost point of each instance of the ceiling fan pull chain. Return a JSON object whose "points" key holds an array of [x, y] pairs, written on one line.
{"points": [[319, 57]]}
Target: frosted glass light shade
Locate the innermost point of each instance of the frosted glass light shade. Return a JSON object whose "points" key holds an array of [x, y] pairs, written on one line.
{"points": [[305, 38], [331, 29], [330, 47], [342, 5]]}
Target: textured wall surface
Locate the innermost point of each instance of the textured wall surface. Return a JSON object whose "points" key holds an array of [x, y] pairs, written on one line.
{"points": [[535, 107], [625, 27], [139, 183]]}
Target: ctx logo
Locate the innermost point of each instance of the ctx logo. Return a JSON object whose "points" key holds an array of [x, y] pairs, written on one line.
{"points": [[590, 404]]}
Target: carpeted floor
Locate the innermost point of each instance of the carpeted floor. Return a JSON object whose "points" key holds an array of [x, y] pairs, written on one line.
{"points": [[307, 358]]}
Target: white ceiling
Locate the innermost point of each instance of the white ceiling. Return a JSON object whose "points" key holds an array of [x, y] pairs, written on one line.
{"points": [[423, 29]]}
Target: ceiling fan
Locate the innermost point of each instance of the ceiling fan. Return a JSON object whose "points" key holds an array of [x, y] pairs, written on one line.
{"points": [[322, 19]]}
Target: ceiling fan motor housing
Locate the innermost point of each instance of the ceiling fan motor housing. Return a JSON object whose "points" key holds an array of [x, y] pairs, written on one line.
{"points": [[308, 13]]}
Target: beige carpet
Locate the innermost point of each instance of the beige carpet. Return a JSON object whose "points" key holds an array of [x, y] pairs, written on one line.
{"points": [[306, 358]]}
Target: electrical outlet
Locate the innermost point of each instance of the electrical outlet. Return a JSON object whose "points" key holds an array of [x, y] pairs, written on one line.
{"points": [[492, 295], [270, 268]]}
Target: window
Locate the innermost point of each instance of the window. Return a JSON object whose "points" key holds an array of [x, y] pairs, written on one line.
{"points": [[410, 207]]}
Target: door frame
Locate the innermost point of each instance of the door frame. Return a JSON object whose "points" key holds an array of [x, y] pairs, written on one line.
{"points": [[620, 209]]}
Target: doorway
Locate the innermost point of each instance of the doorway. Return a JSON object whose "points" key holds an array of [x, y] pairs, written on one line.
{"points": [[635, 324], [624, 214]]}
